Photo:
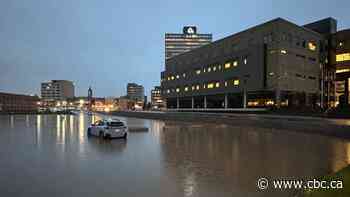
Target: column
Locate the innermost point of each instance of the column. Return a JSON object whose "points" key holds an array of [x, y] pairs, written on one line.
{"points": [[205, 102], [192, 102], [226, 101], [177, 103]]}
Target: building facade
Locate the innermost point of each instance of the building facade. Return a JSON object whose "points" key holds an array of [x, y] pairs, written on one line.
{"points": [[57, 90], [157, 101], [276, 63], [341, 61], [176, 43], [16, 103], [135, 92]]}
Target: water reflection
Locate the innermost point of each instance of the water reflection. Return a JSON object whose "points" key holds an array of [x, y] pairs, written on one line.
{"points": [[209, 154], [172, 159]]}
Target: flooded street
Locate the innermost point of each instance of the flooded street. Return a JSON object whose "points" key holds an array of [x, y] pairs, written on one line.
{"points": [[51, 155]]}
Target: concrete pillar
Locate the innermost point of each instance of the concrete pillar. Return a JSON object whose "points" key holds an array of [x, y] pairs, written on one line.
{"points": [[177, 103], [205, 102], [244, 98], [278, 98], [192, 102], [226, 101]]}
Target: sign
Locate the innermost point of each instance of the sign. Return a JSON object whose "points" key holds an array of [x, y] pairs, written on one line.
{"points": [[190, 30]]}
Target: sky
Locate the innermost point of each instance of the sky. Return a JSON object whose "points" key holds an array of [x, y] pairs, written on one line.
{"points": [[108, 43]]}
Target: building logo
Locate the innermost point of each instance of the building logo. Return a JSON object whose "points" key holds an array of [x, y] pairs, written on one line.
{"points": [[190, 30]]}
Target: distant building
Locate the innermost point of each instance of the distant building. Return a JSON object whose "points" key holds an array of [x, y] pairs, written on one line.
{"points": [[16, 103], [57, 90], [157, 101], [176, 43], [135, 92]]}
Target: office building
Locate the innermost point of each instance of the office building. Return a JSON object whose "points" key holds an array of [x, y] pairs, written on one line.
{"points": [[277, 63], [57, 90], [135, 92], [16, 103], [157, 101], [177, 43]]}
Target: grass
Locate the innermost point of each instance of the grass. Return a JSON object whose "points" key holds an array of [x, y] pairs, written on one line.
{"points": [[343, 175]]}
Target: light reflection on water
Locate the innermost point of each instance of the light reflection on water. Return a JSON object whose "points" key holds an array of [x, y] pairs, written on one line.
{"points": [[171, 159]]}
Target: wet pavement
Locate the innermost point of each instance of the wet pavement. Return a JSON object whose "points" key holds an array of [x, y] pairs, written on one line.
{"points": [[51, 155]]}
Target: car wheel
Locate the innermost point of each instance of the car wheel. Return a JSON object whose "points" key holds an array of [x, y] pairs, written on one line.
{"points": [[101, 134], [108, 136]]}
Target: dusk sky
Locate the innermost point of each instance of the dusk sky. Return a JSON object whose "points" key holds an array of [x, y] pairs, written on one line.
{"points": [[108, 43]]}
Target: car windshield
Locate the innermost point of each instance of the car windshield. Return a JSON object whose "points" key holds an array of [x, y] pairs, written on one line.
{"points": [[115, 124]]}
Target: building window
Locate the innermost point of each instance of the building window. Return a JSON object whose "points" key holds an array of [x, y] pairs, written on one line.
{"points": [[209, 69], [177, 89], [197, 87], [177, 76], [235, 63], [210, 85], [172, 77], [217, 84], [227, 65], [198, 72], [236, 82], [219, 67], [186, 89], [168, 91], [245, 60], [312, 46], [283, 51], [341, 44], [193, 88], [214, 68], [343, 57], [225, 83], [184, 75]]}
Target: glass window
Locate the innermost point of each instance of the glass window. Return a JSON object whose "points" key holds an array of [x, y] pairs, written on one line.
{"points": [[210, 85], [177, 89], [343, 57], [312, 46], [236, 82], [217, 84], [198, 72], [235, 63], [186, 89], [227, 65], [197, 87]]}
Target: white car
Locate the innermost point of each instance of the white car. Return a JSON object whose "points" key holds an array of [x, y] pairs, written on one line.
{"points": [[108, 129]]}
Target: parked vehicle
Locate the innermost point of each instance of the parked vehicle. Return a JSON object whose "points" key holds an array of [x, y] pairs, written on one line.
{"points": [[111, 128]]}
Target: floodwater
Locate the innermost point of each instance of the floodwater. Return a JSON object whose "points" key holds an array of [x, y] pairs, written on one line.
{"points": [[51, 155]]}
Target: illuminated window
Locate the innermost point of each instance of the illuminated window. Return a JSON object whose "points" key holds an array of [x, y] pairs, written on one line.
{"points": [[177, 76], [343, 57], [168, 91], [225, 83], [169, 78], [214, 68], [197, 87], [341, 44], [219, 67], [227, 65], [204, 86], [193, 88], [209, 69], [245, 60], [198, 72], [342, 70], [235, 63], [184, 75], [217, 84], [177, 89], [312, 46], [283, 51], [236, 82], [172, 77], [186, 89], [210, 85]]}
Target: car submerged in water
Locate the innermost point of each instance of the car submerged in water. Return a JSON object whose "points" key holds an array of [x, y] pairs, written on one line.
{"points": [[111, 128]]}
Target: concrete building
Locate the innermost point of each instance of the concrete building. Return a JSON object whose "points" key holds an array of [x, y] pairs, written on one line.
{"points": [[176, 43], [57, 90], [135, 92], [341, 61], [275, 63], [157, 101], [16, 103]]}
